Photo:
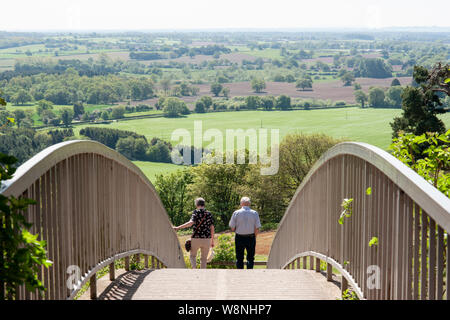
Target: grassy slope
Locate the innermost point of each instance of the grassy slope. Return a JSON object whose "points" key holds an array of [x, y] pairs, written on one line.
{"points": [[151, 169]]}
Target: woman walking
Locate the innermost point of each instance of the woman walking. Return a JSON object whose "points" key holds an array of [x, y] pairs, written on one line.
{"points": [[203, 235]]}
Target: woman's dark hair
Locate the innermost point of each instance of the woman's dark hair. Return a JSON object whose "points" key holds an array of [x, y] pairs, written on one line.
{"points": [[200, 202]]}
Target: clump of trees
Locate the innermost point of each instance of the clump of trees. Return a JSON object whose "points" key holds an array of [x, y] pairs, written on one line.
{"points": [[258, 85], [423, 103], [222, 185], [130, 144], [174, 107]]}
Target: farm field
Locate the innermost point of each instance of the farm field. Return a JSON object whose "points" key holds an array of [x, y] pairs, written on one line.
{"points": [[356, 124], [152, 169], [328, 89]]}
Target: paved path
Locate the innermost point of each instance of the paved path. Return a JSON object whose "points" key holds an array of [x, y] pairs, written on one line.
{"points": [[217, 284]]}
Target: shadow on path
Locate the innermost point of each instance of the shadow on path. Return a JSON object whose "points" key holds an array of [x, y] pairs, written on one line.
{"points": [[125, 285]]}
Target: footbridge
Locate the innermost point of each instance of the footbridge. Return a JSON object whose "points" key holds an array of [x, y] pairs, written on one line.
{"points": [[94, 207]]}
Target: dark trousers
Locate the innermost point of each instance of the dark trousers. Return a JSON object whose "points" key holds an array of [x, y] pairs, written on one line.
{"points": [[245, 243]]}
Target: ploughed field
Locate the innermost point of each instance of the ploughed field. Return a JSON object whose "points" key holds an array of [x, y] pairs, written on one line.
{"points": [[333, 90]]}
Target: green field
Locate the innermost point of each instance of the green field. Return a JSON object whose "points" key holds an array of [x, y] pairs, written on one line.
{"points": [[355, 124], [151, 169]]}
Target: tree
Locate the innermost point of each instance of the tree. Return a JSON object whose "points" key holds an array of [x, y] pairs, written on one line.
{"points": [[44, 105], [360, 97], [422, 104], [125, 146], [105, 115], [268, 102], [252, 102], [258, 85], [347, 78], [207, 101], [394, 96], [376, 97], [304, 83], [219, 185], [19, 115], [66, 116], [172, 189], [216, 88], [173, 107], [395, 82], [22, 255], [199, 107], [118, 112], [158, 152], [283, 102], [21, 97], [226, 92], [372, 68], [78, 109]]}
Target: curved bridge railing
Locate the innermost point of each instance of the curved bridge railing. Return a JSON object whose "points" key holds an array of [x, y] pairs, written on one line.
{"points": [[410, 218], [93, 206]]}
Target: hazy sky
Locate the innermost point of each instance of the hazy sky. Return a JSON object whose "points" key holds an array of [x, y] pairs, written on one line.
{"points": [[202, 14]]}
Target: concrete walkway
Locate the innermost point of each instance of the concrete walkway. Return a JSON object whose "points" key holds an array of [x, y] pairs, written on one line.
{"points": [[217, 284]]}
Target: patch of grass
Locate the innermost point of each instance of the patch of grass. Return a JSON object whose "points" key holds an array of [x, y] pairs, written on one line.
{"points": [[151, 169], [355, 124]]}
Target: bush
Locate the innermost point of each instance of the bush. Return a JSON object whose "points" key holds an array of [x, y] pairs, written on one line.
{"points": [[224, 251], [269, 226]]}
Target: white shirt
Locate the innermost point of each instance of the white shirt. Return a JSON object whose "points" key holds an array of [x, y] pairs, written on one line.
{"points": [[245, 220]]}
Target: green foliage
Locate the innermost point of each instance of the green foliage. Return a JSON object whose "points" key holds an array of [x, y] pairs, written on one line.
{"points": [[216, 88], [394, 96], [173, 191], [199, 107], [349, 295], [348, 78], [372, 68], [360, 97], [347, 210], [283, 102], [376, 97], [258, 84], [421, 104], [428, 155], [224, 250], [22, 255], [118, 112], [174, 107], [304, 83], [373, 242], [67, 116]]}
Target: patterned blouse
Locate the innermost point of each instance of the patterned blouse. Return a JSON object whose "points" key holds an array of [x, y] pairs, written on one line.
{"points": [[204, 230]]}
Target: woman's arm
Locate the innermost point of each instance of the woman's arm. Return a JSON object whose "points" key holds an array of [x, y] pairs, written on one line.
{"points": [[185, 225], [212, 235]]}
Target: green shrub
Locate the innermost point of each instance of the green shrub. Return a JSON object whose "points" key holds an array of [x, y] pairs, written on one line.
{"points": [[224, 251], [269, 226]]}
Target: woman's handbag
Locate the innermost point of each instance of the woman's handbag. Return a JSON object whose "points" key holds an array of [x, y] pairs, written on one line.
{"points": [[187, 244]]}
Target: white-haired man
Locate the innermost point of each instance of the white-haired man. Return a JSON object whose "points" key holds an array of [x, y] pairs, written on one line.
{"points": [[245, 223]]}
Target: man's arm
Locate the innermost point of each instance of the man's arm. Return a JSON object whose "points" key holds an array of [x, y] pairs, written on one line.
{"points": [[257, 224], [232, 223]]}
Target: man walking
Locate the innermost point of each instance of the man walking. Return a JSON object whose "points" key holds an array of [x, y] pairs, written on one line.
{"points": [[245, 223]]}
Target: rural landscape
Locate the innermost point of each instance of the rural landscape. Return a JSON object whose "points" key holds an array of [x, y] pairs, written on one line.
{"points": [[131, 90]]}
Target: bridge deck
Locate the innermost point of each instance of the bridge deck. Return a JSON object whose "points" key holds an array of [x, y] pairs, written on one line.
{"points": [[217, 284]]}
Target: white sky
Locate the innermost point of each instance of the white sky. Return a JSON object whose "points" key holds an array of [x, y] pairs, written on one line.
{"points": [[35, 15]]}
